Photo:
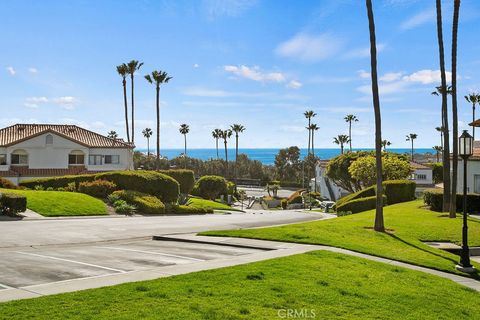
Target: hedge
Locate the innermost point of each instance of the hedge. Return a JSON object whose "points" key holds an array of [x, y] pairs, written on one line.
{"points": [[434, 199], [359, 205], [367, 192], [7, 184], [97, 188], [143, 202], [182, 209], [12, 203], [210, 187], [399, 190], [185, 178], [57, 182]]}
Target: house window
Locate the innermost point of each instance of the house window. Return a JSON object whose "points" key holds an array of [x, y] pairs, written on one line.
{"points": [[19, 157], [476, 181], [95, 160], [3, 159], [49, 139], [76, 159], [421, 177], [112, 159]]}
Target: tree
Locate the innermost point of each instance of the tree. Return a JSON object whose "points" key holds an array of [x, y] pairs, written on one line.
{"points": [[453, 202], [217, 134], [411, 137], [443, 90], [237, 128], [158, 78], [184, 129], [379, 223], [393, 168], [341, 139], [385, 144], [350, 118], [287, 164], [132, 67], [123, 71], [313, 128], [309, 115], [226, 134], [438, 150], [112, 135], [440, 129], [473, 98], [147, 133]]}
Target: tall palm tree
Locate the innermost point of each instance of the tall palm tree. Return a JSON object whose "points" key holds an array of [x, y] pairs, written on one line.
{"points": [[411, 137], [112, 135], [184, 129], [309, 115], [132, 67], [217, 134], [158, 78], [385, 144], [453, 202], [444, 91], [147, 133], [438, 150], [379, 222], [440, 129], [123, 71], [473, 98], [237, 128], [313, 127], [341, 139], [226, 134], [350, 118]]}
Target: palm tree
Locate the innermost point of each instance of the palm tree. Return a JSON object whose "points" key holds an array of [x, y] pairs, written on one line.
{"points": [[147, 133], [217, 134], [122, 71], [443, 90], [411, 137], [453, 203], [385, 144], [226, 134], [438, 150], [473, 98], [379, 222], [237, 128], [313, 127], [184, 129], [309, 115], [159, 78], [132, 67], [350, 118], [440, 129], [112, 135], [341, 139]]}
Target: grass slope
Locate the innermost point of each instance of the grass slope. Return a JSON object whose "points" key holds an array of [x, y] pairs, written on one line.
{"points": [[331, 285], [60, 203], [203, 203], [408, 225]]}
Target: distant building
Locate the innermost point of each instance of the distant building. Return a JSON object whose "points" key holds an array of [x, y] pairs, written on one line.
{"points": [[45, 150]]}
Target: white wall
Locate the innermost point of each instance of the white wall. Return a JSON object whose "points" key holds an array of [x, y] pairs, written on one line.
{"points": [[126, 160], [473, 169], [427, 172]]}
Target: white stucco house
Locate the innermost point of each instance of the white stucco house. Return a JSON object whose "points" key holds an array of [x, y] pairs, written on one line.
{"points": [[473, 171], [45, 150]]}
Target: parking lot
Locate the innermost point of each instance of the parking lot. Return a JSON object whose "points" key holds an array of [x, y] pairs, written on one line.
{"points": [[21, 268]]}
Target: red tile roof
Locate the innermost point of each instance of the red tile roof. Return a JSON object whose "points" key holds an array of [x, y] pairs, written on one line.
{"points": [[24, 171], [21, 132]]}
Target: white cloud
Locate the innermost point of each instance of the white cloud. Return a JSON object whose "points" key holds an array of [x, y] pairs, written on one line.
{"points": [[418, 19], [254, 73], [427, 76], [391, 76], [11, 70], [310, 48], [33, 102], [384, 88], [66, 102], [363, 52], [229, 8], [196, 65], [363, 74], [294, 84], [33, 70]]}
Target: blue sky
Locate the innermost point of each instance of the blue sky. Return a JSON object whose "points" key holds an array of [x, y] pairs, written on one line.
{"points": [[258, 63]]}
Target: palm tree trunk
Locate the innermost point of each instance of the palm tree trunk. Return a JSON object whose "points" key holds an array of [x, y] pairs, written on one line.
{"points": [[341, 148], [379, 223], [453, 203], [350, 134], [124, 82], [148, 146], [216, 142], [438, 160], [473, 117], [185, 152], [309, 135], [446, 138], [236, 158], [133, 111], [314, 166], [412, 149], [158, 127], [226, 159], [441, 139]]}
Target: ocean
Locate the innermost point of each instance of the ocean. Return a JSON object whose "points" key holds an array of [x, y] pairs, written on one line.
{"points": [[267, 156]]}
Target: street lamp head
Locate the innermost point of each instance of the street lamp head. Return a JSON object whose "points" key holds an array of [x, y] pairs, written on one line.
{"points": [[465, 144]]}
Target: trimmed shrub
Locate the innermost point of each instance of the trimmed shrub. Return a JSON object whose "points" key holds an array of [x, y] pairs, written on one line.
{"points": [[57, 182], [122, 207], [359, 205], [11, 203], [434, 199], [231, 188], [182, 209], [367, 192], [144, 203], [399, 190], [284, 204], [97, 188], [296, 197], [210, 187], [154, 183], [185, 178], [7, 184]]}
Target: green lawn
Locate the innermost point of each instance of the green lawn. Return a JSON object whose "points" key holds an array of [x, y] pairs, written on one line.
{"points": [[408, 225], [202, 203], [331, 285], [60, 203]]}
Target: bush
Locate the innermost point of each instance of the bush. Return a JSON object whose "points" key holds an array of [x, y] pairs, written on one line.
{"points": [[154, 183], [367, 192], [359, 205], [144, 203], [57, 182], [284, 204], [97, 188], [114, 197], [182, 209], [185, 178], [7, 184], [210, 187], [399, 190], [434, 199], [231, 188], [122, 207], [11, 203], [294, 197]]}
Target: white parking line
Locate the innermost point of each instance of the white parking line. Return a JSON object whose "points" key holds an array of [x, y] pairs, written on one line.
{"points": [[72, 261], [153, 252], [4, 286]]}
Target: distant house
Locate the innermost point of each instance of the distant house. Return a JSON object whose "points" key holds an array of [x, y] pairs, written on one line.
{"points": [[422, 175], [45, 150], [473, 171]]}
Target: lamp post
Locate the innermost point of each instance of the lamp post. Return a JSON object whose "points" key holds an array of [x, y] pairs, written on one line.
{"points": [[465, 143]]}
